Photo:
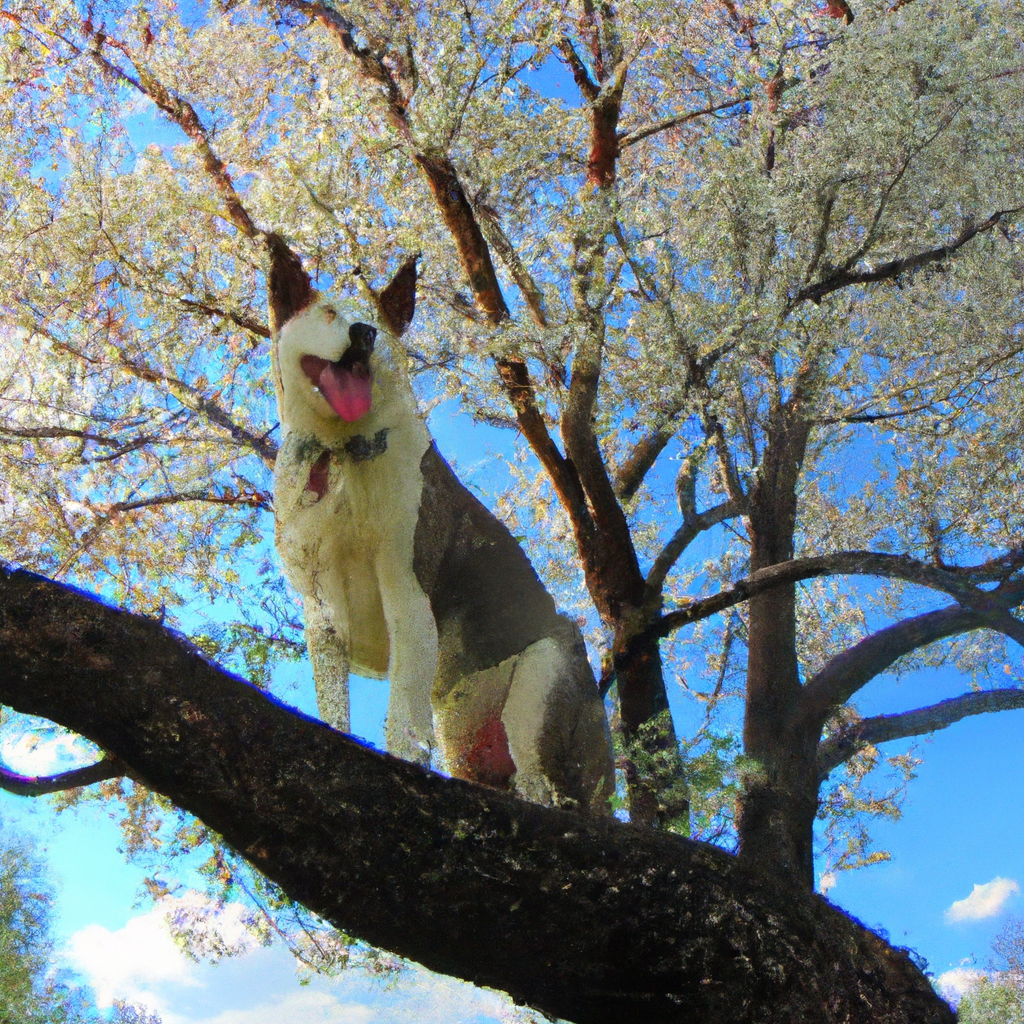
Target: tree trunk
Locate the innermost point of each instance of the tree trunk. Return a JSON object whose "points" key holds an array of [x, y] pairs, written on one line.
{"points": [[591, 920], [780, 793], [656, 788]]}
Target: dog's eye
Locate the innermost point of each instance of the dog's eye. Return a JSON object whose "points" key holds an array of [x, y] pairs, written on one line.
{"points": [[330, 314]]}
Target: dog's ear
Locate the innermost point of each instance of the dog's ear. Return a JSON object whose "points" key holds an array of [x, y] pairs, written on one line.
{"points": [[289, 288], [398, 300]]}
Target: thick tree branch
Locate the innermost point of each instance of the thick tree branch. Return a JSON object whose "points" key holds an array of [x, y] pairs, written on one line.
{"points": [[607, 922], [882, 728], [894, 268], [40, 785], [833, 685]]}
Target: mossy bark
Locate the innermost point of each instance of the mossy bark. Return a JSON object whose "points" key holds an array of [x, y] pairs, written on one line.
{"points": [[591, 920]]}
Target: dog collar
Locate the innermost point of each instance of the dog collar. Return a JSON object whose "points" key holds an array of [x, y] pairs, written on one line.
{"points": [[357, 449]]}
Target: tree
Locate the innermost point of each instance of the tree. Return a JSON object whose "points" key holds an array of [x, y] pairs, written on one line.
{"points": [[998, 998], [750, 240], [991, 1001], [33, 990]]}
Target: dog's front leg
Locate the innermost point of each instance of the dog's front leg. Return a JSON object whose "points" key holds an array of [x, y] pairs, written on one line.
{"points": [[412, 632], [329, 656]]}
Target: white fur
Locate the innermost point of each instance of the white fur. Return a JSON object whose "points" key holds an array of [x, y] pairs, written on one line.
{"points": [[350, 553]]}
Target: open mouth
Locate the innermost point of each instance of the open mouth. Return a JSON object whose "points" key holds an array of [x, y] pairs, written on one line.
{"points": [[346, 382]]}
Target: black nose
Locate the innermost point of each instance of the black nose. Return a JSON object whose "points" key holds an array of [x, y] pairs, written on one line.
{"points": [[361, 337]]}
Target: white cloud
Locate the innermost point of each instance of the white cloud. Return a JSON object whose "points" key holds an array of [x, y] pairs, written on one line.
{"points": [[128, 963], [306, 1005], [141, 964], [985, 900], [953, 984]]}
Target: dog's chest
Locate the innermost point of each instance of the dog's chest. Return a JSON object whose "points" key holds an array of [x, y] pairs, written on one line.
{"points": [[344, 503]]}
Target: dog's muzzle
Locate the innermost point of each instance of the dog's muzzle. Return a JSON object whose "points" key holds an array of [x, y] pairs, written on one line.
{"points": [[346, 382]]}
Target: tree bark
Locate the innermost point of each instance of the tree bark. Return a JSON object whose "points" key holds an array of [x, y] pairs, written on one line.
{"points": [[593, 921], [780, 794]]}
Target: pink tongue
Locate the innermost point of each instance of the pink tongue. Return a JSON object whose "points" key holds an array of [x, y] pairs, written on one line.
{"points": [[347, 391]]}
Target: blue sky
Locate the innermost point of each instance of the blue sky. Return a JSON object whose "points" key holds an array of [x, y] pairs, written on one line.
{"points": [[961, 841]]}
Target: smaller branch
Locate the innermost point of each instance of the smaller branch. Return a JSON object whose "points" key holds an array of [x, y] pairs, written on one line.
{"points": [[636, 135], [289, 286], [106, 515], [887, 192], [847, 563], [894, 268], [515, 378], [40, 785], [744, 26], [634, 468], [579, 71], [58, 432], [821, 238], [502, 245], [998, 568], [731, 476], [193, 398], [184, 115], [371, 63], [876, 417], [250, 499], [872, 731], [687, 533], [247, 323]]}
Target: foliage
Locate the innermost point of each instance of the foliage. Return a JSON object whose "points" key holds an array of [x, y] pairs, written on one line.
{"points": [[1008, 949], [34, 989], [125, 1013], [998, 997], [992, 1000]]}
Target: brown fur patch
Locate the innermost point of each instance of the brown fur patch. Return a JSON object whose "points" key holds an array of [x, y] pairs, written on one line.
{"points": [[489, 760], [318, 474]]}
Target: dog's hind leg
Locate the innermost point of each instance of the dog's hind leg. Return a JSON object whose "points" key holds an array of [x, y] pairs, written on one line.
{"points": [[412, 632], [328, 654], [556, 727]]}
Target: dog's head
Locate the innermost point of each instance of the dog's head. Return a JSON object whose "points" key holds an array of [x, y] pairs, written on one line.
{"points": [[332, 369], [328, 358]]}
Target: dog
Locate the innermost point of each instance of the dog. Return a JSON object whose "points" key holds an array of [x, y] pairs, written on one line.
{"points": [[405, 574]]}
